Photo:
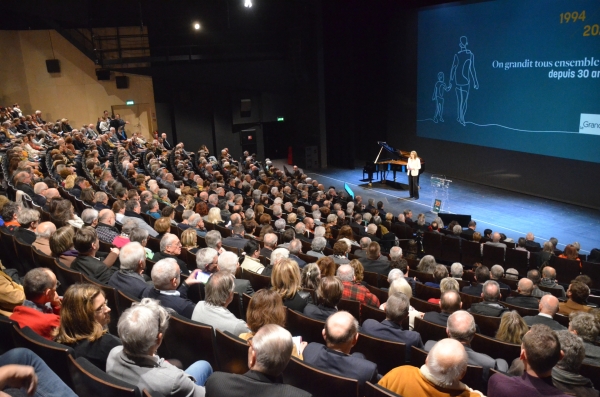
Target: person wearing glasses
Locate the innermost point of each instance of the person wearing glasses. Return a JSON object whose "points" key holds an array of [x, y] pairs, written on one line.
{"points": [[84, 324], [41, 309], [170, 248]]}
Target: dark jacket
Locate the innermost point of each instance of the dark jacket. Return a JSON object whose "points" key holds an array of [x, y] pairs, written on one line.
{"points": [[94, 267], [182, 265], [181, 304], [492, 309], [252, 383], [129, 282], [319, 312], [25, 236], [529, 302], [389, 330]]}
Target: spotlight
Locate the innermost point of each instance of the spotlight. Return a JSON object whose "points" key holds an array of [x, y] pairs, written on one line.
{"points": [[197, 26], [248, 3]]}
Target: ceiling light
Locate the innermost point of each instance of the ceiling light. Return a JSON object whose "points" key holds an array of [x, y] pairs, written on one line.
{"points": [[197, 26], [247, 3]]}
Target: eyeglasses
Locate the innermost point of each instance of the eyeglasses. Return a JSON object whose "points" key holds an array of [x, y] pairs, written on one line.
{"points": [[102, 308], [57, 285]]}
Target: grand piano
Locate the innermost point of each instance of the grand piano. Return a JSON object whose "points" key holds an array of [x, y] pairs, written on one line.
{"points": [[392, 161]]}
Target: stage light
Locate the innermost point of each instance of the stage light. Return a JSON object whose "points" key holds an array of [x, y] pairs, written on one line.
{"points": [[197, 26], [248, 3]]}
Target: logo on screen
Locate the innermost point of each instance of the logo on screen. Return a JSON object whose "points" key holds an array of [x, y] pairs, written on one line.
{"points": [[589, 124]]}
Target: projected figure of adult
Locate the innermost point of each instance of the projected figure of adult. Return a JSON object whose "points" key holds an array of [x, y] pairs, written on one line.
{"points": [[438, 97], [464, 61], [413, 167]]}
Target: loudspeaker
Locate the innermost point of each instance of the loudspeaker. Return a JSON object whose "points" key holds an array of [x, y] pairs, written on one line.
{"points": [[53, 65], [245, 107], [122, 82], [248, 137], [103, 74], [462, 220]]}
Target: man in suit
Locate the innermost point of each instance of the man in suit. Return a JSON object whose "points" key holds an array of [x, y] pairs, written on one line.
{"points": [[237, 239], [401, 229], [549, 280], [491, 305], [496, 273], [548, 307], [170, 248], [396, 310], [456, 231], [524, 299], [374, 261], [270, 243], [482, 274], [530, 241], [364, 247], [23, 183], [86, 242], [536, 278], [166, 143], [229, 262], [449, 303], [340, 334], [495, 242], [470, 230], [168, 289], [268, 354], [39, 190], [461, 327], [129, 278], [79, 185], [295, 247]]}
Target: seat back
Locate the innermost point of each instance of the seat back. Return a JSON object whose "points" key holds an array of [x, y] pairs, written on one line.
{"points": [[467, 300], [471, 252], [554, 291], [235, 307], [425, 292], [451, 249], [25, 253], [523, 311], [495, 348], [310, 329], [424, 306], [374, 390], [386, 354], [181, 329], [492, 255], [432, 244], [318, 383], [371, 278], [55, 355], [258, 281], [368, 312], [429, 331], [69, 275], [351, 306], [592, 372], [6, 330], [89, 380], [9, 252], [51, 263], [567, 269], [153, 244], [591, 269], [124, 301], [379, 293], [487, 324], [232, 353], [517, 259], [421, 276]]}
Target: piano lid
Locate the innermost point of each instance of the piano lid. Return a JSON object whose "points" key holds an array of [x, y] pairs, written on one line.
{"points": [[388, 148]]}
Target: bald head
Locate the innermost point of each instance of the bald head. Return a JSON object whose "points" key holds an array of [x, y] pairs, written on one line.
{"points": [[107, 217], [549, 272], [549, 305], [51, 193], [461, 326], [525, 286], [45, 230], [341, 331], [496, 237], [447, 362]]}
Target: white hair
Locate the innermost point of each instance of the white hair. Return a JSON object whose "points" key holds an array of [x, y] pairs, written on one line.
{"points": [[163, 272], [394, 274], [228, 261], [395, 253], [456, 270], [279, 254], [130, 256]]}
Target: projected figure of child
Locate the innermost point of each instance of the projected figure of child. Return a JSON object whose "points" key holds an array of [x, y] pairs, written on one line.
{"points": [[438, 97], [464, 60]]}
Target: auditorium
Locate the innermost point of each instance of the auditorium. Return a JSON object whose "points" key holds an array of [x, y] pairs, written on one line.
{"points": [[300, 197]]}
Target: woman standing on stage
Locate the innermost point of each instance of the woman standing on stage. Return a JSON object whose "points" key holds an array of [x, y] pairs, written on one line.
{"points": [[414, 165]]}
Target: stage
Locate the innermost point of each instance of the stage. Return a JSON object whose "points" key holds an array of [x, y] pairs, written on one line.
{"points": [[507, 212]]}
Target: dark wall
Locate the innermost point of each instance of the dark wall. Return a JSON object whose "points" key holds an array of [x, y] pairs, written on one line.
{"points": [[559, 179]]}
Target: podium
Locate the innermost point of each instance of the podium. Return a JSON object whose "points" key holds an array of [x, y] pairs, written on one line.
{"points": [[441, 193]]}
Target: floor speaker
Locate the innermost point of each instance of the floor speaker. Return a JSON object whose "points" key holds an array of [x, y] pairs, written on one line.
{"points": [[103, 74], [53, 65], [122, 82]]}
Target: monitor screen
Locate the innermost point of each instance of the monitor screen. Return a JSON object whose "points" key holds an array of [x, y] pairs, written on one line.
{"points": [[348, 190]]}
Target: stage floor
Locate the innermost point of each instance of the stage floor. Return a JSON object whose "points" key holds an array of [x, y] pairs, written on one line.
{"points": [[507, 212]]}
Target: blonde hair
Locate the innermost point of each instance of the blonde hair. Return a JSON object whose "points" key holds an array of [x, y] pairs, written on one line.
{"points": [[449, 284], [285, 278], [214, 215], [512, 328], [189, 238]]}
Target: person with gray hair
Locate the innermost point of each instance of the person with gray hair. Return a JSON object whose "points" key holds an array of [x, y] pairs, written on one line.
{"points": [[214, 241], [461, 327], [565, 374], [584, 325], [132, 211], [229, 262], [170, 248], [355, 291], [341, 334], [295, 248], [445, 366], [130, 277], [317, 246], [396, 311], [270, 242], [213, 309], [185, 217], [276, 256], [491, 305], [394, 274], [29, 220], [364, 247], [427, 264], [456, 270], [279, 225], [268, 355], [39, 198], [496, 274], [89, 216], [43, 232], [168, 288], [320, 231], [142, 329], [206, 261]]}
